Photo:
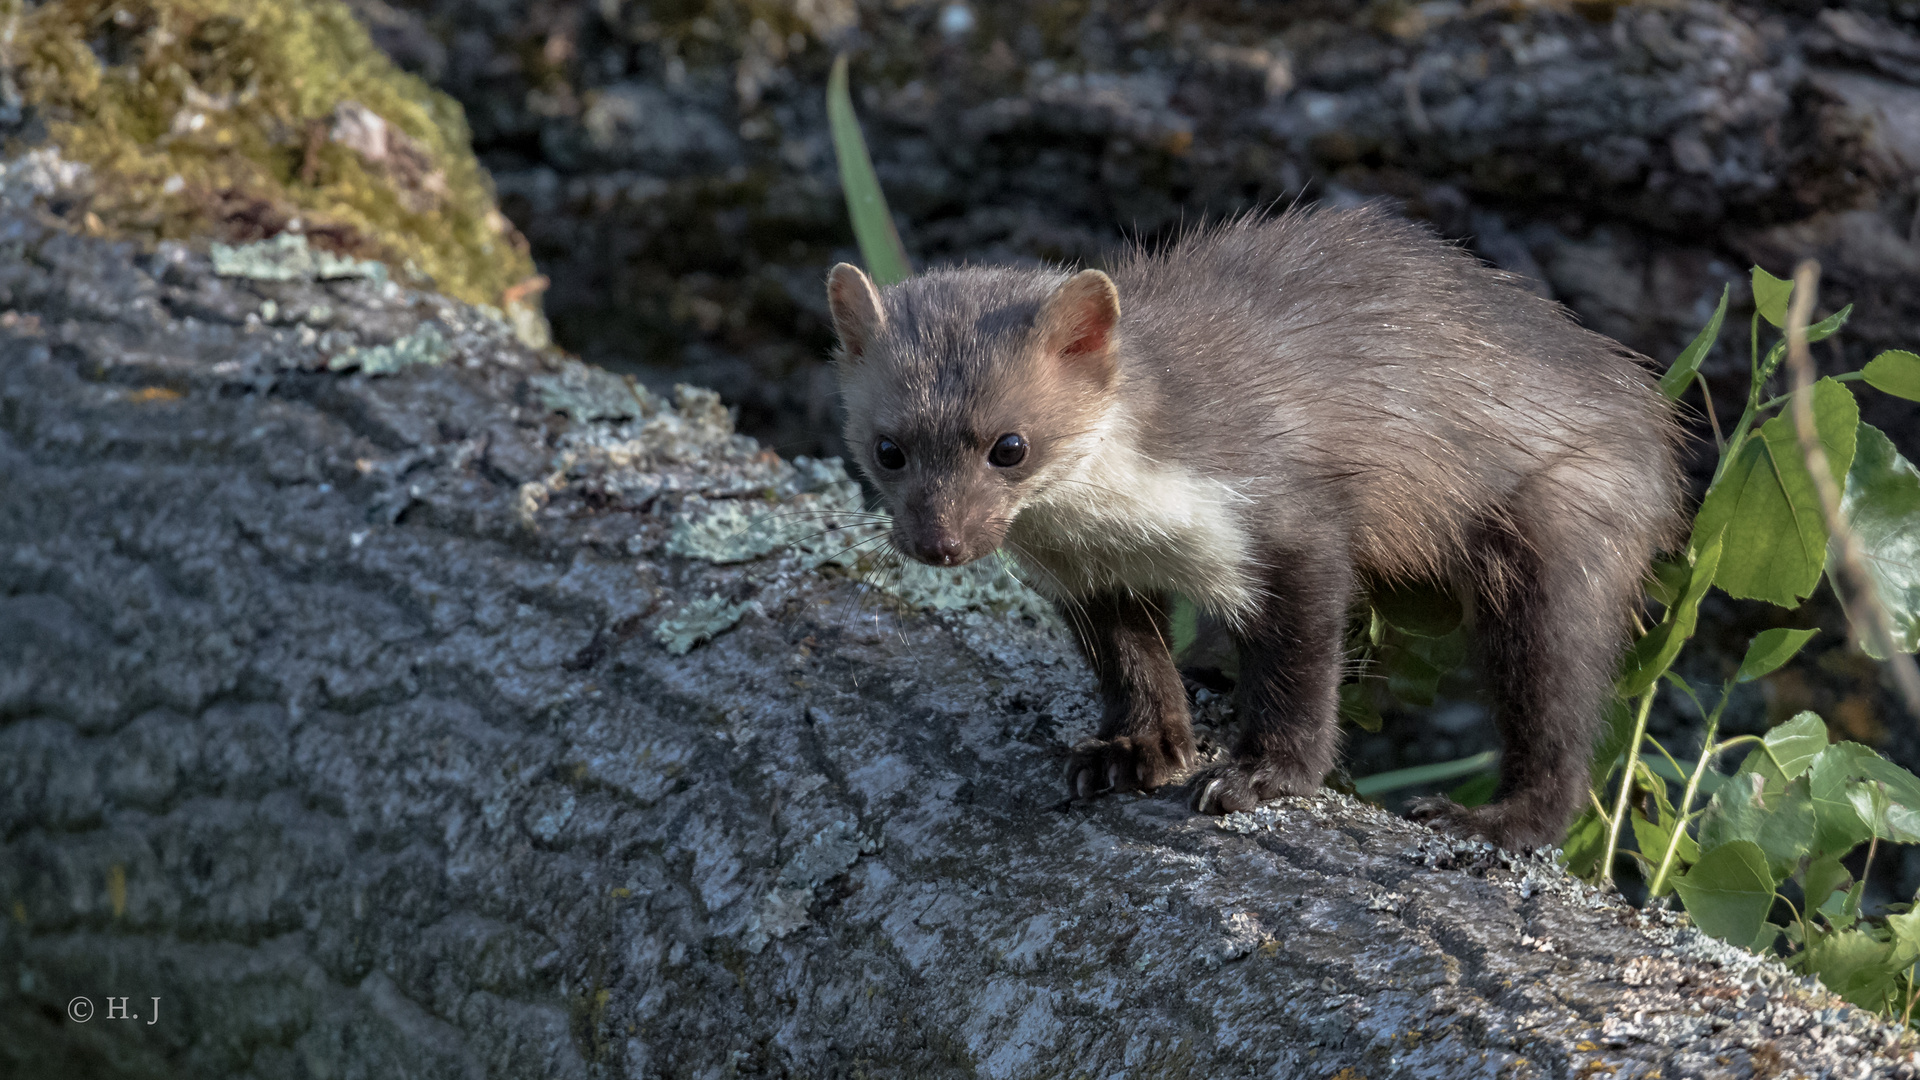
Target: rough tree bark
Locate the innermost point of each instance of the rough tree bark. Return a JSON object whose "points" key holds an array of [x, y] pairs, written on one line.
{"points": [[335, 715]]}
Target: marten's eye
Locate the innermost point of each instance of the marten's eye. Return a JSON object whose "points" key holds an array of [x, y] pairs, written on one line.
{"points": [[889, 455], [1009, 451]]}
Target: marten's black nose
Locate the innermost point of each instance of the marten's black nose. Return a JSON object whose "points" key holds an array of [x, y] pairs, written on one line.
{"points": [[945, 549], [938, 547]]}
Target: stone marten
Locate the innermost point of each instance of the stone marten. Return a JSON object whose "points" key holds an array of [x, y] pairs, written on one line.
{"points": [[1261, 418]]}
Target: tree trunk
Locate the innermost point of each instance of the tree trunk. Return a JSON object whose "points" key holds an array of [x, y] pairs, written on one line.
{"points": [[343, 732]]}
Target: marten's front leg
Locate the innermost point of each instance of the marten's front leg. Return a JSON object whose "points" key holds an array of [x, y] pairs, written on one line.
{"points": [[1290, 657], [1146, 736]]}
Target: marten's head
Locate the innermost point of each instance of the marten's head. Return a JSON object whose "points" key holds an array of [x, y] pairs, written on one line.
{"points": [[968, 391]]}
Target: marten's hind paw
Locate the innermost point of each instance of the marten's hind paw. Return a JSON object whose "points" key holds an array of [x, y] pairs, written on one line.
{"points": [[1504, 824], [1232, 786], [1124, 763]]}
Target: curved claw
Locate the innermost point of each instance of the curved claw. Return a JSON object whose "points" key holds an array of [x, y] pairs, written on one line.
{"points": [[1239, 785], [1203, 799], [1126, 763]]}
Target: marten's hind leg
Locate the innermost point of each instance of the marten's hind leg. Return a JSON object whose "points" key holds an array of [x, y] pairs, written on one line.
{"points": [[1556, 584]]}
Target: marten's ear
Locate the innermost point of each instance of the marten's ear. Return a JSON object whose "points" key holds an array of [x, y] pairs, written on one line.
{"points": [[855, 303], [1076, 327]]}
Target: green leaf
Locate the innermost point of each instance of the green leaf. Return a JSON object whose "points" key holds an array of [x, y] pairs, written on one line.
{"points": [[1356, 707], [880, 245], [1778, 819], [1768, 650], [1900, 785], [1729, 891], [1687, 364], [1819, 331], [1842, 908], [1843, 806], [1796, 743], [1760, 761], [1838, 827], [1654, 653], [1586, 841], [1895, 372], [1856, 965], [1410, 678], [1826, 875], [1653, 837], [1655, 785], [1766, 509], [1882, 506], [1828, 326], [1668, 579], [1422, 609], [1889, 819], [1770, 296], [1414, 665], [1905, 927]]}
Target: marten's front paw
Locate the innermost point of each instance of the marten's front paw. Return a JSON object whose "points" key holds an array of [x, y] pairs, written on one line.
{"points": [[1510, 825], [1125, 763], [1232, 786]]}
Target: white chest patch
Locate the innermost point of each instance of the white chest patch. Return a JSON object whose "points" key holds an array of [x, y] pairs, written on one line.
{"points": [[1120, 520]]}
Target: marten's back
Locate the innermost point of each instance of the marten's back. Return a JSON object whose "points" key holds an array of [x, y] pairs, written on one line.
{"points": [[1351, 371]]}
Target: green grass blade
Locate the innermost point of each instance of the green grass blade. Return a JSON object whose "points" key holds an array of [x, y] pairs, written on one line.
{"points": [[1424, 774], [873, 227]]}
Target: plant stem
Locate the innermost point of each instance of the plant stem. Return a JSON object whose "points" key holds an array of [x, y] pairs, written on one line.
{"points": [[1806, 928], [1677, 770], [1626, 786], [1706, 398], [1736, 741], [1739, 437], [1707, 750], [1598, 807], [1845, 376]]}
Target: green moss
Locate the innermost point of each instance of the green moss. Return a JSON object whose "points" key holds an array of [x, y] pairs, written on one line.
{"points": [[238, 120]]}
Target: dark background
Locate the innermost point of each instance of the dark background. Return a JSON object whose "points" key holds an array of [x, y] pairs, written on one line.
{"points": [[670, 163]]}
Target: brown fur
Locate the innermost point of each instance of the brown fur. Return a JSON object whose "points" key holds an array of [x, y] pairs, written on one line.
{"points": [[1274, 411]]}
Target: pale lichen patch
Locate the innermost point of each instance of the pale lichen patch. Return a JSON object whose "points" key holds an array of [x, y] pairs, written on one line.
{"points": [[288, 257], [588, 393], [698, 621], [825, 856], [424, 347]]}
